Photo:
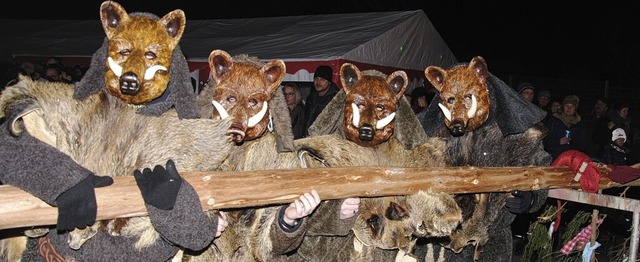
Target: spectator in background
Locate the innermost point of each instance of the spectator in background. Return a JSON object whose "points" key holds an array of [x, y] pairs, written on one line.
{"points": [[64, 76], [620, 119], [419, 99], [324, 90], [54, 74], [76, 74], [54, 60], [543, 100], [407, 96], [556, 106], [615, 153], [293, 97], [597, 124], [526, 90], [566, 131]]}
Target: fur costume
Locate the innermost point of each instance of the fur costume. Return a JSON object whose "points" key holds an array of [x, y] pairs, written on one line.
{"points": [[246, 91], [57, 151], [341, 137], [510, 135]]}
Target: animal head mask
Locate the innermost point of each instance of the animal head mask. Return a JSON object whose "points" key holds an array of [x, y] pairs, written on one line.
{"points": [[370, 103], [139, 53], [464, 95], [243, 91]]}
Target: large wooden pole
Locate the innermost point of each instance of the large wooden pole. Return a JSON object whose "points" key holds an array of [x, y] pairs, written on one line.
{"points": [[223, 190]]}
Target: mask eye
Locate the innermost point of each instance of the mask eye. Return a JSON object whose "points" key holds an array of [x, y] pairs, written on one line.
{"points": [[150, 55], [253, 102]]}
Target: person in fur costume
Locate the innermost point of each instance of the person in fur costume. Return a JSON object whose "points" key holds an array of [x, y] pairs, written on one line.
{"points": [[44, 171], [370, 123], [485, 124], [246, 90]]}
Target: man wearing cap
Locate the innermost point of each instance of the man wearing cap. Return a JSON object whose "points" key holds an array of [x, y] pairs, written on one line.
{"points": [[324, 89], [526, 91]]}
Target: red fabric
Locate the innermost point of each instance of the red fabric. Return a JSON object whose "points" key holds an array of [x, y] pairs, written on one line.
{"points": [[623, 174], [580, 239], [590, 178]]}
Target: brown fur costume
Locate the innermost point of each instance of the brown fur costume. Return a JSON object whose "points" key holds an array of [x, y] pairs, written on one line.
{"points": [[246, 91], [503, 130], [115, 81], [95, 123], [384, 225]]}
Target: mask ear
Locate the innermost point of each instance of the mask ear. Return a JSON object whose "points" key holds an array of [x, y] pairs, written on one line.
{"points": [[220, 62], [112, 15], [398, 82], [349, 76], [274, 73]]}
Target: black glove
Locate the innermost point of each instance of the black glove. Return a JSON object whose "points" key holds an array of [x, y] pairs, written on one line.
{"points": [[159, 187], [77, 206], [521, 201]]}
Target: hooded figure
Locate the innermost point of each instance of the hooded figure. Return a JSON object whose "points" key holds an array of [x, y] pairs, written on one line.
{"points": [[511, 135]]}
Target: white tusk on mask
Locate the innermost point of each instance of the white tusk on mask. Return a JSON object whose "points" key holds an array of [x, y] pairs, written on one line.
{"points": [[474, 107], [221, 111], [151, 71], [254, 120], [385, 121], [356, 115], [115, 68], [445, 111]]}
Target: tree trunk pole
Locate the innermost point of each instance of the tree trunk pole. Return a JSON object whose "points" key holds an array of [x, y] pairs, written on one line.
{"points": [[223, 189]]}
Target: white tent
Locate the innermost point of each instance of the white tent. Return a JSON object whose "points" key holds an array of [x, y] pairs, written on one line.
{"points": [[386, 41]]}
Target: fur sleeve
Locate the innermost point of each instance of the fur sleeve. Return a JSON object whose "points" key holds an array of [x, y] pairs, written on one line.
{"points": [[326, 220], [37, 167]]}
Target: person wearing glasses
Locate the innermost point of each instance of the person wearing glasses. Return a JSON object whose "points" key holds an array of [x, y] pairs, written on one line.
{"points": [[296, 109]]}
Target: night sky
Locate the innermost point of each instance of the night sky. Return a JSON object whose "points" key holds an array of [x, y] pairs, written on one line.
{"points": [[538, 39]]}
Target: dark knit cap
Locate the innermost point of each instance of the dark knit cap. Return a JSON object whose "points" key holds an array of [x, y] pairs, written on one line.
{"points": [[524, 85], [325, 72], [545, 93]]}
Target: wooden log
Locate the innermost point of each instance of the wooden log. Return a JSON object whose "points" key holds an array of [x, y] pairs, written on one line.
{"points": [[224, 190]]}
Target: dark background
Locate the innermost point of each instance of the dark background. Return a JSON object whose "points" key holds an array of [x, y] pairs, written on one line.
{"points": [[537, 39]]}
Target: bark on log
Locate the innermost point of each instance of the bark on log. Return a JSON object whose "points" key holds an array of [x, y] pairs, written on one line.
{"points": [[224, 190]]}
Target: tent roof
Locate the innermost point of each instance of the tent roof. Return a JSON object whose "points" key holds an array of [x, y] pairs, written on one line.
{"points": [[401, 39]]}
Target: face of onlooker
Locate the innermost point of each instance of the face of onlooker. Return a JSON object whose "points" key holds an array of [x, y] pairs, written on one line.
{"points": [[600, 108], [624, 112], [289, 96], [619, 141], [52, 74], [321, 85], [543, 101], [527, 94], [569, 109], [555, 107]]}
